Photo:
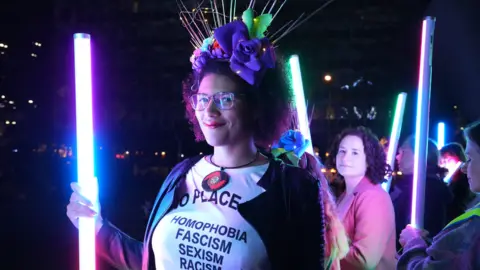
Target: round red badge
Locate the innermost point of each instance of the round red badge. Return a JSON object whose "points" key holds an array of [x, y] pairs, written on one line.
{"points": [[215, 181]]}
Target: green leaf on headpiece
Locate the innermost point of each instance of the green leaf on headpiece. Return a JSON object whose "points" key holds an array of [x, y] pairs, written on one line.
{"points": [[276, 152], [293, 158], [256, 26], [260, 25], [247, 18]]}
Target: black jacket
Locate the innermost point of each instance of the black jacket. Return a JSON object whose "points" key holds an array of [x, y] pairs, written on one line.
{"points": [[462, 195], [437, 200], [288, 216]]}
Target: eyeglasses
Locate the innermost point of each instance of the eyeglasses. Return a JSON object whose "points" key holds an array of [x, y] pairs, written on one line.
{"points": [[223, 100]]}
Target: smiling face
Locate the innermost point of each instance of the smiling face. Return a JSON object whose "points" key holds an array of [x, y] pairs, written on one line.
{"points": [[222, 127], [351, 160], [472, 166]]}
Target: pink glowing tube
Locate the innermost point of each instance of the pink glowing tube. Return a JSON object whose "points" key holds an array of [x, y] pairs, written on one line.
{"points": [[85, 148], [422, 122], [452, 169]]}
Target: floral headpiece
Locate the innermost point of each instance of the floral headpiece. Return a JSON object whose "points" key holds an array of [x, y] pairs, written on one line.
{"points": [[293, 144], [245, 43]]}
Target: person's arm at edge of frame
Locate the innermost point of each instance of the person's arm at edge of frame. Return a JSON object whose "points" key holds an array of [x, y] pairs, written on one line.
{"points": [[450, 250]]}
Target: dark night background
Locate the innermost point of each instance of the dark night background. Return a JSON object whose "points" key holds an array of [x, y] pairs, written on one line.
{"points": [[141, 55]]}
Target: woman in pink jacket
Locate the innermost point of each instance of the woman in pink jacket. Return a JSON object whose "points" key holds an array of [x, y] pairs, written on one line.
{"points": [[364, 207]]}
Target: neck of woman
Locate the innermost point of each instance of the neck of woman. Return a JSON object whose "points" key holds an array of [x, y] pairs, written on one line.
{"points": [[234, 155], [351, 183]]}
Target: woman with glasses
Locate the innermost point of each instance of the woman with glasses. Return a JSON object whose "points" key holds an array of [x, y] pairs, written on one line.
{"points": [[457, 246], [463, 198], [236, 208]]}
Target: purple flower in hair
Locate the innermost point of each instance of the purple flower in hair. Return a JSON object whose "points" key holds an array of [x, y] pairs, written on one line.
{"points": [[200, 58], [248, 50], [199, 61], [249, 58], [218, 53]]}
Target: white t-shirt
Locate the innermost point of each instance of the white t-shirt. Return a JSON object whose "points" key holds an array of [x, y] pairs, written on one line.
{"points": [[206, 231]]}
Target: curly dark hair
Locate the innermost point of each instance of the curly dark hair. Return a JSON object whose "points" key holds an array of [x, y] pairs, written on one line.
{"points": [[268, 103], [377, 167]]}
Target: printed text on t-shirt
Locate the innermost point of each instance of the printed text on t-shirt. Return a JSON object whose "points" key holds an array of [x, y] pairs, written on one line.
{"points": [[204, 244], [225, 198]]}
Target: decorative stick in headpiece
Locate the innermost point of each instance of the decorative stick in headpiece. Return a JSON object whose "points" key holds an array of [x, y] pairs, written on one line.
{"points": [[244, 43]]}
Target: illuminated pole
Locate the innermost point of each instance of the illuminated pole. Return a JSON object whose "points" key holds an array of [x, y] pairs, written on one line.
{"points": [[441, 135], [395, 135], [422, 122], [299, 100], [452, 169], [85, 148]]}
